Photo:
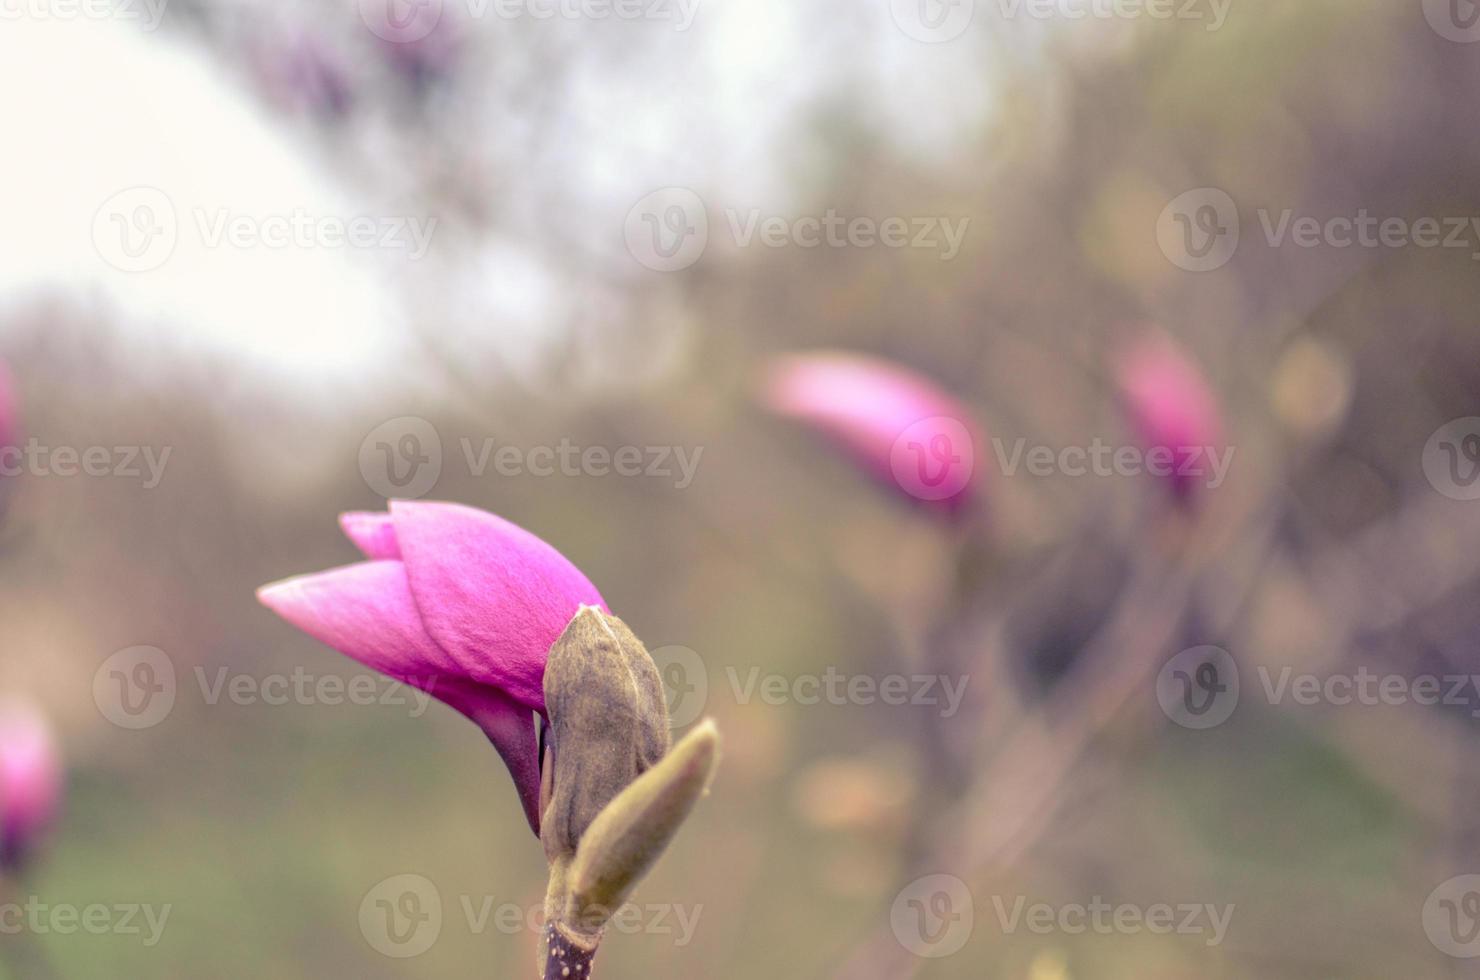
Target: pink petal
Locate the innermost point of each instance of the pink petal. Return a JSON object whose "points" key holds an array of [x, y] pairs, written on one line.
{"points": [[366, 612], [510, 726], [494, 596], [10, 427], [30, 782], [372, 532], [900, 427], [1169, 403]]}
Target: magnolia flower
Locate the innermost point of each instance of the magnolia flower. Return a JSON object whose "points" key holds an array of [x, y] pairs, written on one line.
{"points": [[900, 427], [495, 622], [454, 601], [30, 782], [1171, 406]]}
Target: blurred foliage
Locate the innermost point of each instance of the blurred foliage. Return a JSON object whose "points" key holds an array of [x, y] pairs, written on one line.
{"points": [[265, 826]]}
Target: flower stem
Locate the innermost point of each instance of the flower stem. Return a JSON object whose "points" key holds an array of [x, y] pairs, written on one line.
{"points": [[567, 955]]}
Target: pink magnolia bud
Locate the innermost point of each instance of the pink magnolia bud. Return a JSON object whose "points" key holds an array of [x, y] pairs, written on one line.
{"points": [[457, 602], [900, 427], [30, 782], [1172, 408]]}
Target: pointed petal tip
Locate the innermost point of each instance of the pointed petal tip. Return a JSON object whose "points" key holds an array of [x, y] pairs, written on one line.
{"points": [[372, 532], [274, 594], [290, 597]]}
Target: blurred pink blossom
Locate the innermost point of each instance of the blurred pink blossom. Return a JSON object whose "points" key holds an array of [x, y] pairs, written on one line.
{"points": [[457, 602], [1170, 405], [30, 782], [901, 428], [10, 423], [420, 40], [300, 71]]}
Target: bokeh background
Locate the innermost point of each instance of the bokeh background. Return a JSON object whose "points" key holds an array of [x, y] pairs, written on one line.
{"points": [[531, 318]]}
